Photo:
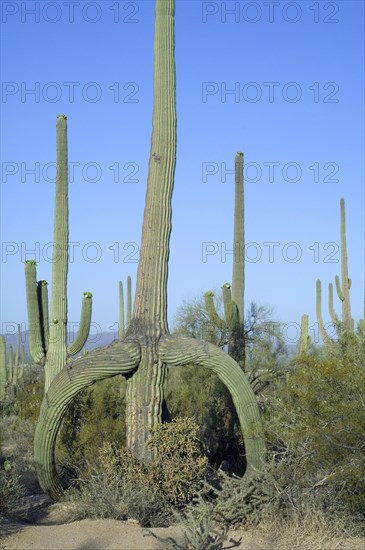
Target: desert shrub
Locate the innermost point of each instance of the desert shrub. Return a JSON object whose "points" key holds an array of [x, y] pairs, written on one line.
{"points": [[10, 486], [96, 415], [119, 485], [195, 392], [317, 416], [180, 465]]}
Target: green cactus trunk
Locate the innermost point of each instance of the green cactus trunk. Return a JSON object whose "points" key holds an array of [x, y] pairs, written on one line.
{"points": [[344, 292], [304, 337], [3, 373], [144, 396], [57, 347], [48, 336]]}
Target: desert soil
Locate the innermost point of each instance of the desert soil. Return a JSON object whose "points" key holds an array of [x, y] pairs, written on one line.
{"points": [[42, 526]]}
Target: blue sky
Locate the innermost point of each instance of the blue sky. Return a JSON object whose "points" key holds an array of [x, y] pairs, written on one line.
{"points": [[296, 109]]}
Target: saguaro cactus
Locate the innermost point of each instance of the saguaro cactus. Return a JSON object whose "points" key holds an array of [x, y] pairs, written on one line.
{"points": [[148, 347], [3, 373], [48, 338], [304, 337], [233, 299], [342, 288]]}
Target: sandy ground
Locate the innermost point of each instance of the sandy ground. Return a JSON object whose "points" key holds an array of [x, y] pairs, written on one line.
{"points": [[41, 526]]}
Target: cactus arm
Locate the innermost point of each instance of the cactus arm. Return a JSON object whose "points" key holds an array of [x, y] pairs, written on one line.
{"points": [[117, 358], [231, 313], [16, 361], [322, 330], [3, 374], [183, 351], [129, 302], [212, 312], [42, 292], [84, 328], [238, 275], [121, 331], [330, 304], [35, 338], [338, 288]]}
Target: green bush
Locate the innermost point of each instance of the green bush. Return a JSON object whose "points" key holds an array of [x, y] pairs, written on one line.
{"points": [[318, 417], [96, 415]]}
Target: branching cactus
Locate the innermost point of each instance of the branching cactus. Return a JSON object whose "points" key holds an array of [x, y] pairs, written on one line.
{"points": [[233, 299], [147, 348], [48, 333], [342, 288]]}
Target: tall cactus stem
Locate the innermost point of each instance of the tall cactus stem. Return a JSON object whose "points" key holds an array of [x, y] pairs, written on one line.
{"points": [[121, 331], [129, 302], [238, 275], [322, 330], [346, 308], [304, 337], [3, 373]]}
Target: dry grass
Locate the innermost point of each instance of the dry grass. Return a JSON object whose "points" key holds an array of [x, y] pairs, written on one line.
{"points": [[308, 528]]}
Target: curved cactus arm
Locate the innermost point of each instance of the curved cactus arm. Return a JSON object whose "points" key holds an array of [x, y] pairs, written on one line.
{"points": [[117, 358], [42, 292], [35, 339], [338, 288], [84, 328], [330, 304], [322, 331], [121, 331], [3, 374], [212, 312], [178, 351]]}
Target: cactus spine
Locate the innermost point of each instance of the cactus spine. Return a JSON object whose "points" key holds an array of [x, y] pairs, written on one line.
{"points": [[148, 347], [48, 336], [233, 300]]}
